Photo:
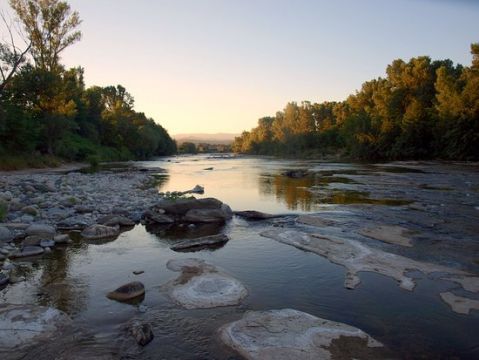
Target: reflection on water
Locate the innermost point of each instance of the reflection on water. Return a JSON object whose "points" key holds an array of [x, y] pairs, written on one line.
{"points": [[294, 192], [76, 278]]}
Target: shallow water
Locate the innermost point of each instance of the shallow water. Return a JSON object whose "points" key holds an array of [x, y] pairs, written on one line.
{"points": [[439, 202]]}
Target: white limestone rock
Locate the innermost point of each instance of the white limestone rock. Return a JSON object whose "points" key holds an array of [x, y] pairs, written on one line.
{"points": [[202, 285]]}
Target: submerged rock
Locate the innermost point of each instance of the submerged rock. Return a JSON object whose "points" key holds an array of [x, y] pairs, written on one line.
{"points": [[142, 332], [202, 285], [254, 215], [127, 292], [314, 220], [28, 325], [98, 231], [459, 304], [357, 257], [200, 243], [292, 334], [391, 234], [296, 174]]}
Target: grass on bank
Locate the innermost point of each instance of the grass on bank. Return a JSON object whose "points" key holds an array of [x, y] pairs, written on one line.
{"points": [[28, 161]]}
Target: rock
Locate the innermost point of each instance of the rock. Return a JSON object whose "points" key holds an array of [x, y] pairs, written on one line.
{"points": [[28, 325], [5, 235], [127, 292], [152, 217], [47, 243], [200, 243], [115, 220], [82, 209], [207, 216], [45, 187], [296, 174], [16, 205], [28, 251], [142, 332], [138, 272], [390, 234], [254, 215], [198, 189], [46, 231], [4, 279], [182, 206], [76, 222], [357, 257], [62, 239], [99, 232], [314, 220], [32, 240], [30, 210], [459, 304], [468, 283], [202, 285], [208, 168], [292, 334]]}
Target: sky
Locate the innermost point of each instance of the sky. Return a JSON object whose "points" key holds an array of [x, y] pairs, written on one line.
{"points": [[209, 66]]}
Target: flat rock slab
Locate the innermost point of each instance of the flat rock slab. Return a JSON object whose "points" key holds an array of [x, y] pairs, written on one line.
{"points": [[315, 220], [201, 243], [292, 334], [98, 231], [459, 304], [202, 285], [27, 325], [390, 234], [357, 257]]}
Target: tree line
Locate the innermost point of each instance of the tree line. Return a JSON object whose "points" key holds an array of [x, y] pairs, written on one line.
{"points": [[46, 108], [422, 109]]}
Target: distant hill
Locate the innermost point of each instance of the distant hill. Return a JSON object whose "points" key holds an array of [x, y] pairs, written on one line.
{"points": [[218, 138]]}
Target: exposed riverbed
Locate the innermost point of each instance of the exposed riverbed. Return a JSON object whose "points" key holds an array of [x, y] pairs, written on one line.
{"points": [[432, 209]]}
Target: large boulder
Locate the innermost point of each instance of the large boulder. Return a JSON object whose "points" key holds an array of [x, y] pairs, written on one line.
{"points": [[182, 206], [208, 215], [46, 231], [98, 231], [28, 325], [202, 285], [292, 334]]}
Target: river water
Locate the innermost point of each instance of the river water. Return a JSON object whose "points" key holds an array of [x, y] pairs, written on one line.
{"points": [[439, 202]]}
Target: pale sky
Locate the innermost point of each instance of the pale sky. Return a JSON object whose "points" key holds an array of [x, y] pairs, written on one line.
{"points": [[219, 65]]}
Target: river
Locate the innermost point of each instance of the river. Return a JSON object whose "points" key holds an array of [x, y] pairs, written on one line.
{"points": [[438, 202]]}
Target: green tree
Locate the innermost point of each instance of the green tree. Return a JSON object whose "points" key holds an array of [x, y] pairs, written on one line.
{"points": [[50, 26]]}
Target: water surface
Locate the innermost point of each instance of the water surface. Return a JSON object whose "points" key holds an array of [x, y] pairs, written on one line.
{"points": [[438, 201]]}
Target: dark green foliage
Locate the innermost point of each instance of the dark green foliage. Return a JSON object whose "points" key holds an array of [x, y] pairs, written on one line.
{"points": [[187, 148], [423, 109]]}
